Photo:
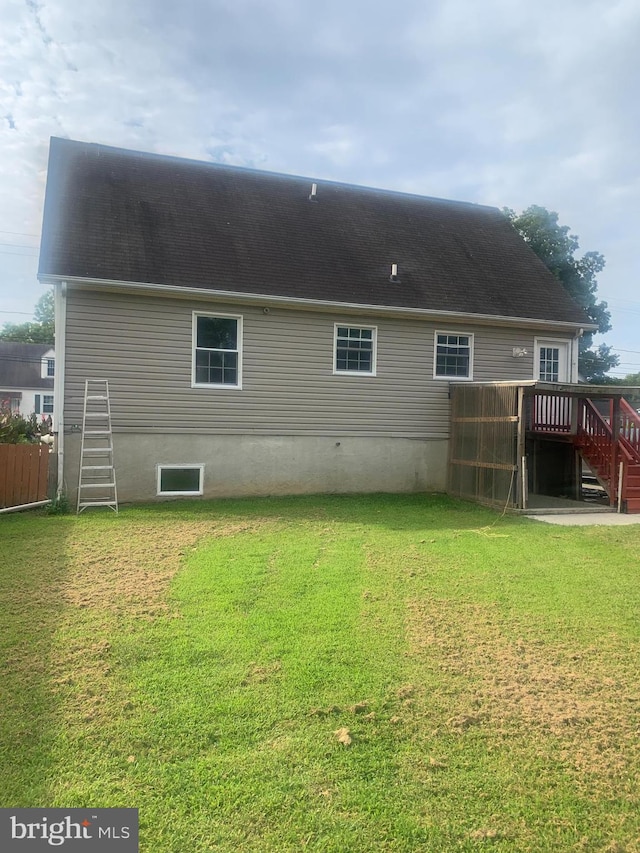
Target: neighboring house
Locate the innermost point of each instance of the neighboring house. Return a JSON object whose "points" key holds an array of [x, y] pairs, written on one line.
{"points": [[26, 379], [263, 334]]}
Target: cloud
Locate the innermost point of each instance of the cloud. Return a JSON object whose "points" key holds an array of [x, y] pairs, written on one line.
{"points": [[502, 102]]}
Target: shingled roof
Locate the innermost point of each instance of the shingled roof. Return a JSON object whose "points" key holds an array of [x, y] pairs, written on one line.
{"points": [[120, 215], [20, 365]]}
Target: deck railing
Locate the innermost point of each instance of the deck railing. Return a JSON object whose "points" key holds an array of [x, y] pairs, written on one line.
{"points": [[630, 429], [609, 443], [551, 413]]}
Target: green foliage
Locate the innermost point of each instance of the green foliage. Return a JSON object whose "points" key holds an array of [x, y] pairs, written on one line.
{"points": [[39, 332], [556, 248], [14, 429], [59, 506], [629, 379], [594, 364]]}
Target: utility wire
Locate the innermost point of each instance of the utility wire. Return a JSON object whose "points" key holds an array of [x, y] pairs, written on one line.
{"points": [[26, 360]]}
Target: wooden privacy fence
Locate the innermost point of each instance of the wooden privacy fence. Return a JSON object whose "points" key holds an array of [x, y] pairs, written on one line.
{"points": [[484, 446], [24, 474]]}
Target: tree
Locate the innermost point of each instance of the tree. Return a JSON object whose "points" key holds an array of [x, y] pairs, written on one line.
{"points": [[39, 332], [556, 247], [630, 379]]}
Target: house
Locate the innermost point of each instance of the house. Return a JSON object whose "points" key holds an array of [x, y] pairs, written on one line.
{"points": [[26, 379], [269, 334]]}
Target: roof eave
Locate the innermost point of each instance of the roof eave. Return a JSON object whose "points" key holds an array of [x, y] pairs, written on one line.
{"points": [[316, 304]]}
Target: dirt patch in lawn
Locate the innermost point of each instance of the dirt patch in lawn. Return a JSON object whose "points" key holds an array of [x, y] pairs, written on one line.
{"points": [[587, 700], [131, 568], [116, 577]]}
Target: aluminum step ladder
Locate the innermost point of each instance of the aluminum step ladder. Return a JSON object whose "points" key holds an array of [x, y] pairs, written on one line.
{"points": [[97, 476]]}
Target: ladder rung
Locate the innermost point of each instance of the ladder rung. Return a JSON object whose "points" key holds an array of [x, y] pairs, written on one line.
{"points": [[97, 397], [83, 504], [97, 467], [97, 415], [98, 449], [97, 432], [97, 485]]}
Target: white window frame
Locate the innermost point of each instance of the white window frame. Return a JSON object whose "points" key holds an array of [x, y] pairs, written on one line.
{"points": [[160, 467], [44, 366], [374, 349], [46, 397], [194, 340], [563, 345], [458, 334], [38, 404]]}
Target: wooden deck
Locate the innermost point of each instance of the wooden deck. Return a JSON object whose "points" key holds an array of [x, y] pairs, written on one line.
{"points": [[495, 425]]}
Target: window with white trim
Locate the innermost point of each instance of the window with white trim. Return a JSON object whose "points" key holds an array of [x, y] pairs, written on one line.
{"points": [[552, 362], [453, 356], [354, 349], [549, 364], [47, 367], [180, 479], [217, 351], [43, 404]]}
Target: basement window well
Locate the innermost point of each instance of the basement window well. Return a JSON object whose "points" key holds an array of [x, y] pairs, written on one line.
{"points": [[180, 479]]}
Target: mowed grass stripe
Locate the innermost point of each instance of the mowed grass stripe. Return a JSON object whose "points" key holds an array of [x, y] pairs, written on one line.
{"points": [[203, 662]]}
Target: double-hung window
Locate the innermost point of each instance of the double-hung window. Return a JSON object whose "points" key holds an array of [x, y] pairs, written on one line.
{"points": [[217, 351], [453, 356], [43, 404], [47, 367], [355, 349]]}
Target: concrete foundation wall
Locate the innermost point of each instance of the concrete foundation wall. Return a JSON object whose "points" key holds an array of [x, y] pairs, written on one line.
{"points": [[259, 465]]}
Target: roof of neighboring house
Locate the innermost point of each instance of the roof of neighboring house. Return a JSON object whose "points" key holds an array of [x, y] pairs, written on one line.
{"points": [[20, 365], [127, 216]]}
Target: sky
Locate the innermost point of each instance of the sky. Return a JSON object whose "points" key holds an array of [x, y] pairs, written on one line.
{"points": [[500, 102]]}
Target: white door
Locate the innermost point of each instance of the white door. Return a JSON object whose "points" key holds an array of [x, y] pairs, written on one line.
{"points": [[552, 360]]}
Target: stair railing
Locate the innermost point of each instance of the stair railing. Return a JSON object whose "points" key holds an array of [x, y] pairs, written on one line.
{"points": [[630, 429], [596, 438]]}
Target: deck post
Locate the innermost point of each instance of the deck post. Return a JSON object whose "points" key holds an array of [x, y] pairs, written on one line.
{"points": [[577, 475], [521, 493], [574, 403], [614, 413]]}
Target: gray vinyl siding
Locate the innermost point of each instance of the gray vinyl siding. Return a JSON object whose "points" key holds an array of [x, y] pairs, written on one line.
{"points": [[143, 345]]}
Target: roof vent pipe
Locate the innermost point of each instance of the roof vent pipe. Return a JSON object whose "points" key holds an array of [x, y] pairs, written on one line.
{"points": [[313, 195], [394, 273]]}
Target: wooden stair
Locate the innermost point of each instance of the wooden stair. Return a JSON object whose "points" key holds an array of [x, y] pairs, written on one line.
{"points": [[614, 458], [631, 496]]}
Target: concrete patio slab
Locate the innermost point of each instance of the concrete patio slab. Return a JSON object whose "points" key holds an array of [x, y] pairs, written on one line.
{"points": [[586, 518]]}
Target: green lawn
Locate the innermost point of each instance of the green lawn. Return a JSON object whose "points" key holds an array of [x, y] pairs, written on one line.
{"points": [[335, 674]]}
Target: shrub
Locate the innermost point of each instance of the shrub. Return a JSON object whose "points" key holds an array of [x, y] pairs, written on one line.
{"points": [[14, 429], [59, 506]]}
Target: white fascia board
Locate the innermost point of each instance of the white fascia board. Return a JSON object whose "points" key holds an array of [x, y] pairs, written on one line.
{"points": [[317, 304], [60, 304]]}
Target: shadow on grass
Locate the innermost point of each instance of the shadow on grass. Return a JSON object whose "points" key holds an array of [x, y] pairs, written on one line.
{"points": [[420, 512], [33, 568]]}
